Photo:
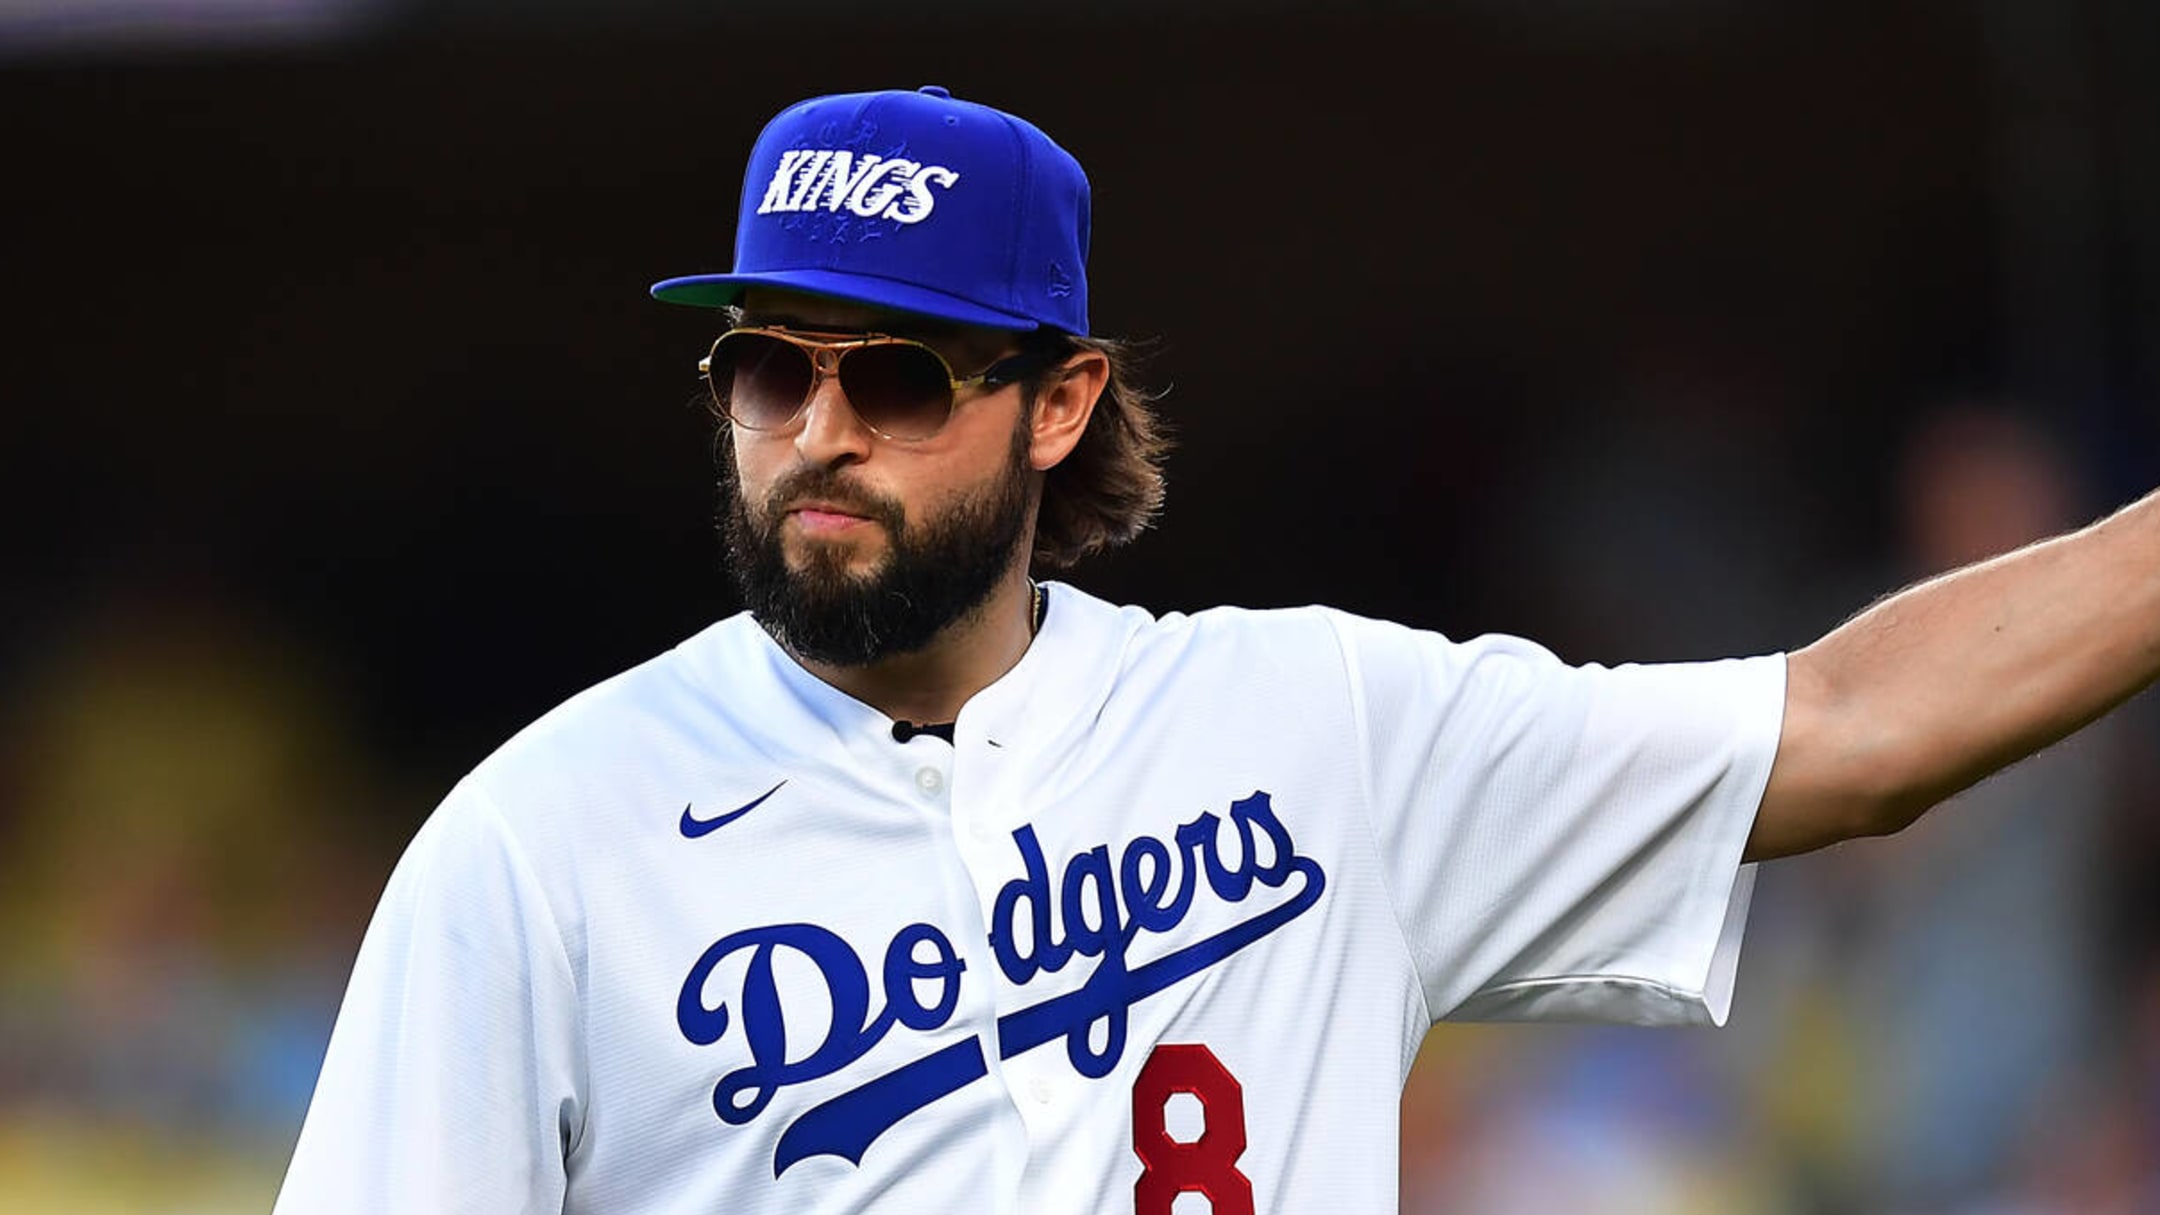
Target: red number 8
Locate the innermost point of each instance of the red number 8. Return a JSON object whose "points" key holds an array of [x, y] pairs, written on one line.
{"points": [[1207, 1165]]}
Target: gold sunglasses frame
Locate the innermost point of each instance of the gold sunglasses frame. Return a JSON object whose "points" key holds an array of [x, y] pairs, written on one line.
{"points": [[826, 350]]}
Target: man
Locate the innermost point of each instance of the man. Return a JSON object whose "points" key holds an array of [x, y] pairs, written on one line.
{"points": [[923, 886]]}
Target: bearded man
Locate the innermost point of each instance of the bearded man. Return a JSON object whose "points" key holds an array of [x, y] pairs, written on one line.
{"points": [[922, 885]]}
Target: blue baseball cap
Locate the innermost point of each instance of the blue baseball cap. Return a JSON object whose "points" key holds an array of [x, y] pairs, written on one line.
{"points": [[914, 201]]}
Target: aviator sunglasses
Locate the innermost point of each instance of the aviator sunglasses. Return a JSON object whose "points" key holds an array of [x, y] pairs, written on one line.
{"points": [[761, 377]]}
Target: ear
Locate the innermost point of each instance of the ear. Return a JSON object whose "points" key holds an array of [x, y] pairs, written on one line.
{"points": [[1064, 406]]}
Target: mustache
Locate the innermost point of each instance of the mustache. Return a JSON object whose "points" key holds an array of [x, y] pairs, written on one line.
{"points": [[819, 483]]}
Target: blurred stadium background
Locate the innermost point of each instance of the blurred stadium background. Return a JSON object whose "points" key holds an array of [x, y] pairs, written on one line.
{"points": [[341, 439]]}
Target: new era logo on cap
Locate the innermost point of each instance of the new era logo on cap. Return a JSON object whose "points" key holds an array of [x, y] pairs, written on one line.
{"points": [[913, 201]]}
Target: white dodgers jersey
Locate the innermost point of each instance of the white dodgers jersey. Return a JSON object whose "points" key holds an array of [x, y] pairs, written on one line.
{"points": [[1168, 917]]}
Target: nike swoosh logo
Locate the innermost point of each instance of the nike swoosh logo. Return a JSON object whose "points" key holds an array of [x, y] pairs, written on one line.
{"points": [[692, 828]]}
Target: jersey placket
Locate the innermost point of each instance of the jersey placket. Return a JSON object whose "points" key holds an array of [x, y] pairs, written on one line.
{"points": [[939, 778], [994, 797], [981, 853]]}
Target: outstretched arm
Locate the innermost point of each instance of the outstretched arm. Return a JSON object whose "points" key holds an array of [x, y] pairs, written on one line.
{"points": [[1938, 685]]}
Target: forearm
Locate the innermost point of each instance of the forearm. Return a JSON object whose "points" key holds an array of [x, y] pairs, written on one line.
{"points": [[1933, 688]]}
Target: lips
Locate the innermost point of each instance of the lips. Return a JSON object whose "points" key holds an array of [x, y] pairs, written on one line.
{"points": [[818, 499], [820, 515]]}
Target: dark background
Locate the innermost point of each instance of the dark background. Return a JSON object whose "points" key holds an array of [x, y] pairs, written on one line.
{"points": [[330, 370]]}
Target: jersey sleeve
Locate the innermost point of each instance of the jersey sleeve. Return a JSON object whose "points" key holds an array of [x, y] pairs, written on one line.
{"points": [[1562, 842], [451, 1080]]}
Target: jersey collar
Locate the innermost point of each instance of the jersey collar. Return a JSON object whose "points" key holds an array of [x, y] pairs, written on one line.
{"points": [[1055, 688]]}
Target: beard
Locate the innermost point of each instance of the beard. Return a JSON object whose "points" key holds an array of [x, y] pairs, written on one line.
{"points": [[934, 572]]}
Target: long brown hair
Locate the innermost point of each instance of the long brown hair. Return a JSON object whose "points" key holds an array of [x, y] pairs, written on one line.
{"points": [[1110, 488]]}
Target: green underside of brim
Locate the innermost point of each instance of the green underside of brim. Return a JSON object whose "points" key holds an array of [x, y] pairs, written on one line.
{"points": [[702, 295]]}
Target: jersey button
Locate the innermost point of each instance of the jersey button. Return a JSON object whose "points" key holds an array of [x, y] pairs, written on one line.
{"points": [[930, 781]]}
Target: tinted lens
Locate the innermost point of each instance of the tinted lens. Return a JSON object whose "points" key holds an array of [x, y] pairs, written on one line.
{"points": [[898, 389], [760, 382]]}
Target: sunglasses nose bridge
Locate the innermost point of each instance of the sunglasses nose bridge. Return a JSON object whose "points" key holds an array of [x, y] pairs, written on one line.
{"points": [[824, 366]]}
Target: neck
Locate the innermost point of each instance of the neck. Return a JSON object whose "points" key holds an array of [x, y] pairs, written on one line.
{"points": [[930, 685]]}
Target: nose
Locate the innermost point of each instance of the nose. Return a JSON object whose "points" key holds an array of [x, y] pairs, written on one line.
{"points": [[831, 433]]}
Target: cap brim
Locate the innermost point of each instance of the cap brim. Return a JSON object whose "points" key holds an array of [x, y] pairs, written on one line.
{"points": [[720, 290]]}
